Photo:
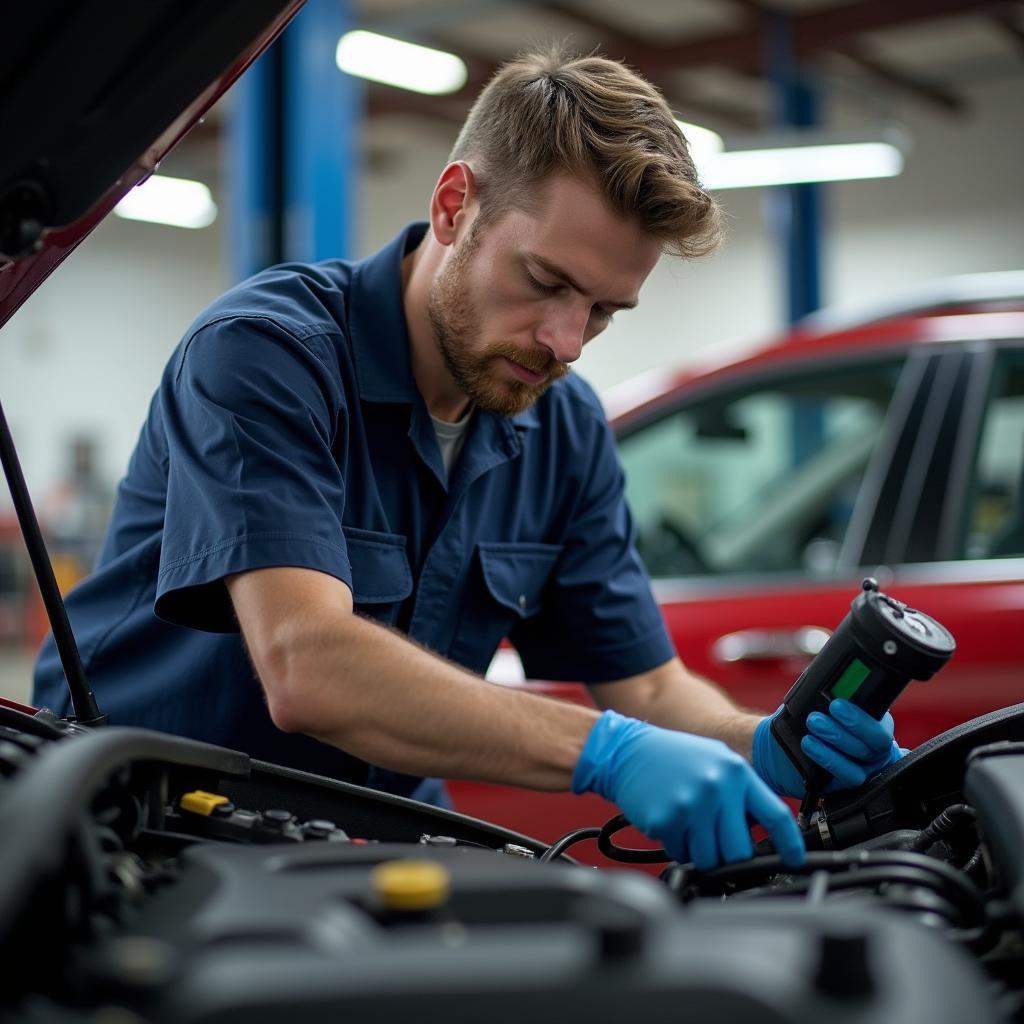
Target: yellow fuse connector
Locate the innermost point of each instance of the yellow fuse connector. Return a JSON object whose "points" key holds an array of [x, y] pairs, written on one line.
{"points": [[410, 884], [201, 802]]}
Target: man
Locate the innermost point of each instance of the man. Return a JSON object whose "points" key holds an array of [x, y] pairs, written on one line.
{"points": [[378, 470]]}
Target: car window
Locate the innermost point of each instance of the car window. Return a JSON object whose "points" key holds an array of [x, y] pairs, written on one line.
{"points": [[995, 513], [760, 479]]}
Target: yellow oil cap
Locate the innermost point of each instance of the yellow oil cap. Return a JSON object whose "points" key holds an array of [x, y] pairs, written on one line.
{"points": [[201, 802], [410, 884]]}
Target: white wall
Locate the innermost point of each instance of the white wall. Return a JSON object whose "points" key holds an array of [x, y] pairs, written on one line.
{"points": [[957, 208], [85, 353]]}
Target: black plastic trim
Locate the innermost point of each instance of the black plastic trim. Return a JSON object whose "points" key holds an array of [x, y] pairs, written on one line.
{"points": [[44, 804], [362, 811], [948, 541], [913, 790], [995, 788], [865, 534], [915, 523]]}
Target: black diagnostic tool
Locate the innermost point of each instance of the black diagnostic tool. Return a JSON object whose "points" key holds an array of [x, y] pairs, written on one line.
{"points": [[873, 654]]}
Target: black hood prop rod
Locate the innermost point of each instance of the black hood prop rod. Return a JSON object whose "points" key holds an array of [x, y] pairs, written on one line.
{"points": [[82, 699]]}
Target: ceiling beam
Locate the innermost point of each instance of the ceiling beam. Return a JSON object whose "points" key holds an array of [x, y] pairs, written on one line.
{"points": [[931, 92], [382, 100], [812, 32], [854, 50], [819, 28], [629, 47], [634, 51], [1013, 26], [740, 50]]}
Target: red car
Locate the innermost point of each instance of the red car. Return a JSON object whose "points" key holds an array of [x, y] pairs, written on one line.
{"points": [[765, 489]]}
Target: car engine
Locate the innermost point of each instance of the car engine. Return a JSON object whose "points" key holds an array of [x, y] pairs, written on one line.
{"points": [[149, 878]]}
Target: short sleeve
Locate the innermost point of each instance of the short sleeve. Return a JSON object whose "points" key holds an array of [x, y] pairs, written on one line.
{"points": [[599, 620], [251, 412]]}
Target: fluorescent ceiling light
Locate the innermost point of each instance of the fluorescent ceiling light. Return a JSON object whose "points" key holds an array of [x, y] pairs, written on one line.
{"points": [[394, 62], [702, 142], [793, 164], [175, 201]]}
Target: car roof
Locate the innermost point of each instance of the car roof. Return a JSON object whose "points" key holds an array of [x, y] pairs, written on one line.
{"points": [[959, 310], [964, 293]]}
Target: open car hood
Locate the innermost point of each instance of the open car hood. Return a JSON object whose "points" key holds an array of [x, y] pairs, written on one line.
{"points": [[94, 96]]}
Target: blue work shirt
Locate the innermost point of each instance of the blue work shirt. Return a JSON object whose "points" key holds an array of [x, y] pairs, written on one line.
{"points": [[288, 430]]}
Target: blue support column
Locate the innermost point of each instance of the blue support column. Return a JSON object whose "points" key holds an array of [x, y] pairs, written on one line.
{"points": [[803, 239], [794, 212], [294, 148], [252, 169], [322, 117]]}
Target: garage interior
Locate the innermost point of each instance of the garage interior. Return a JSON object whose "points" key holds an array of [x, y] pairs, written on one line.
{"points": [[819, 434], [947, 76]]}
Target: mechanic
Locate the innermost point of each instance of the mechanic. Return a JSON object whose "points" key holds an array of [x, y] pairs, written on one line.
{"points": [[376, 470]]}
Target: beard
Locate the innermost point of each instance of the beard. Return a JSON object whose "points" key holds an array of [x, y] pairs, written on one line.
{"points": [[479, 374]]}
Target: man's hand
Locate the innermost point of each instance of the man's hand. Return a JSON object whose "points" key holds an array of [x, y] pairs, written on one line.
{"points": [[847, 742], [691, 793]]}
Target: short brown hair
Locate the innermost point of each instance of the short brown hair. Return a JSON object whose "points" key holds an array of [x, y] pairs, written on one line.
{"points": [[551, 111]]}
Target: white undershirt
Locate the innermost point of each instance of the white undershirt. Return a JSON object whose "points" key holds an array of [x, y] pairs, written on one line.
{"points": [[450, 437]]}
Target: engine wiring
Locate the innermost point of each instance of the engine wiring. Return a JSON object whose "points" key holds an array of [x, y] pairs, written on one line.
{"points": [[570, 839], [950, 820], [626, 854], [921, 880]]}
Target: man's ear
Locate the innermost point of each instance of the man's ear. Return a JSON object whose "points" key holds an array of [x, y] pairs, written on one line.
{"points": [[453, 203]]}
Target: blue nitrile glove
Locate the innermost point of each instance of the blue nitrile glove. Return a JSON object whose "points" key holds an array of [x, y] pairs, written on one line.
{"points": [[847, 742], [691, 793]]}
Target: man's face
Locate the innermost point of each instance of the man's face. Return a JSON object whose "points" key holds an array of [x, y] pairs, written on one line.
{"points": [[514, 303]]}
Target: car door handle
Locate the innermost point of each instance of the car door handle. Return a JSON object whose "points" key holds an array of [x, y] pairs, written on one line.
{"points": [[769, 644]]}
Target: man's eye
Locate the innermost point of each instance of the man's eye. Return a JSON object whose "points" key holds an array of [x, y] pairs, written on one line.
{"points": [[602, 314], [540, 286]]}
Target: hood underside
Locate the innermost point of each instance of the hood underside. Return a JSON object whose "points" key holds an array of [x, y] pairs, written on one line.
{"points": [[94, 96]]}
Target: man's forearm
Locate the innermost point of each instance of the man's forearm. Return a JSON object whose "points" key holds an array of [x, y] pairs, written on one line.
{"points": [[357, 685], [673, 697], [707, 711]]}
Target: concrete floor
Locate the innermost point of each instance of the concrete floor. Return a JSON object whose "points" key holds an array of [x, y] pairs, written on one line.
{"points": [[16, 673]]}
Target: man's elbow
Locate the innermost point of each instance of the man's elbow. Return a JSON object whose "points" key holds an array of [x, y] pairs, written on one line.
{"points": [[295, 696], [296, 624], [288, 712]]}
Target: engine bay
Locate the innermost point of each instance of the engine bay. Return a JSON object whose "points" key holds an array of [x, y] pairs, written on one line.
{"points": [[153, 878]]}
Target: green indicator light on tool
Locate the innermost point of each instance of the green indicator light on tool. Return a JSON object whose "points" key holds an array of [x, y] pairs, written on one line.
{"points": [[849, 682]]}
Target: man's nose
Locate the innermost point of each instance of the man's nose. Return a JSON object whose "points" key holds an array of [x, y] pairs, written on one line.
{"points": [[563, 332]]}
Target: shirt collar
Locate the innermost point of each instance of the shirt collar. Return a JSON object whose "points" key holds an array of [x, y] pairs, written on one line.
{"points": [[378, 331], [376, 321]]}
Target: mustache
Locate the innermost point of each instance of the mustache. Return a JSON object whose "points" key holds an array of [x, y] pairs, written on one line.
{"points": [[531, 359]]}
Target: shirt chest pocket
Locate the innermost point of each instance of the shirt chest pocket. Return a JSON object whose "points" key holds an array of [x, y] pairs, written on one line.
{"points": [[506, 586], [381, 577]]}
